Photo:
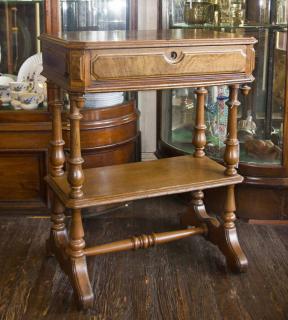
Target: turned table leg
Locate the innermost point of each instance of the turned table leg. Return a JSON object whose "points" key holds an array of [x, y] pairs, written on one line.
{"points": [[199, 138], [78, 272], [58, 236], [231, 155], [75, 172], [230, 245], [221, 233], [58, 242], [77, 260], [57, 157]]}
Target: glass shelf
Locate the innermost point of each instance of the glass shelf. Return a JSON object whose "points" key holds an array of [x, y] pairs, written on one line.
{"points": [[20, 1], [226, 28]]}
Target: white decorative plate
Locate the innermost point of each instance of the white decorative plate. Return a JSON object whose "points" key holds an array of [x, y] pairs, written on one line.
{"points": [[31, 69], [104, 96], [101, 100]]}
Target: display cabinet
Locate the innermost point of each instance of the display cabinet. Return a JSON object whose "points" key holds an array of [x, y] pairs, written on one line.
{"points": [[262, 118], [95, 15], [25, 134], [21, 22]]}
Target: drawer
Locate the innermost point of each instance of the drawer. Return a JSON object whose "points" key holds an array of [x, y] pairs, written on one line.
{"points": [[179, 61]]}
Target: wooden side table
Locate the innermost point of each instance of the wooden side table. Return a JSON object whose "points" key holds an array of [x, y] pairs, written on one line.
{"points": [[82, 62]]}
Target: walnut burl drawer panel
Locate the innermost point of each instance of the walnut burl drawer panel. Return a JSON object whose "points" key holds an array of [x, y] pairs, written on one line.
{"points": [[123, 64]]}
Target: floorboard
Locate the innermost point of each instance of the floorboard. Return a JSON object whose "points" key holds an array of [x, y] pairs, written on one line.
{"points": [[184, 280]]}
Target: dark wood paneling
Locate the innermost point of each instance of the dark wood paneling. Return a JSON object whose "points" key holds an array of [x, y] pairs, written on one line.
{"points": [[21, 176], [253, 202], [123, 153], [28, 140]]}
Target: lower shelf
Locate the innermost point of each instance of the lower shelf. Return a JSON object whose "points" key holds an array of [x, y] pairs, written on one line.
{"points": [[126, 182]]}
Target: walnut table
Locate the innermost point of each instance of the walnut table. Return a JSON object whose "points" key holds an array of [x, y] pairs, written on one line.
{"points": [[81, 62]]}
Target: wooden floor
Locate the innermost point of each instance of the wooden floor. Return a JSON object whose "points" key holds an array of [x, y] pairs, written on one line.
{"points": [[182, 280]]}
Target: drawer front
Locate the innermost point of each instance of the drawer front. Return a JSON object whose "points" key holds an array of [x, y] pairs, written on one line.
{"points": [[143, 63]]}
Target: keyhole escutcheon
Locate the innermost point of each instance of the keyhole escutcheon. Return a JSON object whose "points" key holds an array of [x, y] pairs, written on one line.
{"points": [[173, 55]]}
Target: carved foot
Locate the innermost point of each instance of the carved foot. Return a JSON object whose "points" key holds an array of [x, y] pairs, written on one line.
{"points": [[221, 234], [75, 268], [78, 275], [78, 272], [227, 241], [56, 246]]}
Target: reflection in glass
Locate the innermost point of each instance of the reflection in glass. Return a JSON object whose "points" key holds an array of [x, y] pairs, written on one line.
{"points": [[183, 120], [232, 12], [282, 12], [94, 15], [258, 11], [224, 12]]}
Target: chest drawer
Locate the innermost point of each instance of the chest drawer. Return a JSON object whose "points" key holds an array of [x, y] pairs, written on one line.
{"points": [[179, 61]]}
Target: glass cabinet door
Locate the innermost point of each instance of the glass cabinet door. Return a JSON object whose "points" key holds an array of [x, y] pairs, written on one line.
{"points": [[21, 22], [207, 13], [261, 115], [281, 12], [94, 15]]}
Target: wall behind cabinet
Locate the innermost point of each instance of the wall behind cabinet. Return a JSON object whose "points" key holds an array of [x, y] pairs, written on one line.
{"points": [[147, 19]]}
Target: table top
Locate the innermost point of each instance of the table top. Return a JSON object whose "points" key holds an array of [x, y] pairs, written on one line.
{"points": [[173, 37]]}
